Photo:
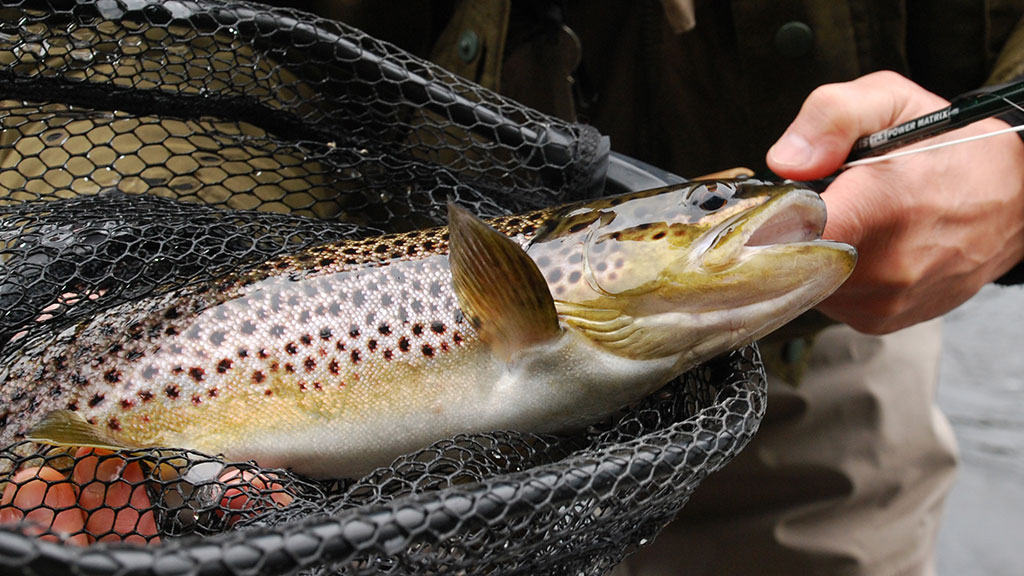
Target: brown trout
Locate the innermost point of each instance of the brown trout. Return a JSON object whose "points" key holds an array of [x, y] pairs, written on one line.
{"points": [[337, 359]]}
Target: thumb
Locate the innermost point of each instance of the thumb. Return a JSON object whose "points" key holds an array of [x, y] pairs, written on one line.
{"points": [[834, 116]]}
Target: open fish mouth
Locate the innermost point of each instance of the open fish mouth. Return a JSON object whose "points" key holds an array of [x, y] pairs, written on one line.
{"points": [[794, 218], [797, 217]]}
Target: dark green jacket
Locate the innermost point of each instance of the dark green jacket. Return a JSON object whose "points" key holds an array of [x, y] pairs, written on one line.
{"points": [[713, 97]]}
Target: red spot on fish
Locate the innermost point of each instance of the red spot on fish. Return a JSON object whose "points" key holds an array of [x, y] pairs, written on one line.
{"points": [[113, 424], [127, 404], [258, 377], [268, 392]]}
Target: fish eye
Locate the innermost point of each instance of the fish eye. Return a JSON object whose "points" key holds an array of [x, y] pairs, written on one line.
{"points": [[707, 197]]}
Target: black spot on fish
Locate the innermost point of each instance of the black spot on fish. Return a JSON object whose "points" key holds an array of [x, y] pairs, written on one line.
{"points": [[403, 344], [417, 329], [384, 329], [659, 235], [457, 338], [353, 331], [388, 354], [309, 364], [73, 406], [333, 367], [306, 339], [289, 368], [459, 316], [197, 373], [224, 365], [325, 334], [113, 424], [127, 404], [372, 345], [258, 376], [171, 313], [437, 327], [381, 248], [354, 356], [212, 392], [427, 350], [340, 346], [326, 262], [112, 376], [96, 400], [263, 354], [134, 355], [171, 391], [171, 331], [577, 227], [243, 353], [145, 396], [196, 399]]}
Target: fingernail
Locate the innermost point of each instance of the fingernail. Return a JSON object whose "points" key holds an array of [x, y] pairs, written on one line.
{"points": [[791, 150]]}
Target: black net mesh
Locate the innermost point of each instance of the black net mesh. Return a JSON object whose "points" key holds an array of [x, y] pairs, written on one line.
{"points": [[147, 146]]}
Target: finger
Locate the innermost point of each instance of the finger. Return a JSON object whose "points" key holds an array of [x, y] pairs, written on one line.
{"points": [[834, 116], [44, 503], [114, 497]]}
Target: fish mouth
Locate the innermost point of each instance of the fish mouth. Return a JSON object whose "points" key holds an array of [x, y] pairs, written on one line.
{"points": [[794, 218], [797, 217]]}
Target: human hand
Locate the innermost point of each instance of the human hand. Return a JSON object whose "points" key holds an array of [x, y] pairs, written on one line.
{"points": [[931, 229]]}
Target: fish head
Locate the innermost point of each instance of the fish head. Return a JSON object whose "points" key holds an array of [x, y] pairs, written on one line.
{"points": [[690, 270]]}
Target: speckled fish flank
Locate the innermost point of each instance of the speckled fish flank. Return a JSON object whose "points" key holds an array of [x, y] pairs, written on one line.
{"points": [[337, 359]]}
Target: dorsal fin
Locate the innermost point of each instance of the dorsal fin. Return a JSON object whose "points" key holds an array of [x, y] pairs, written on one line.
{"points": [[67, 428], [499, 287]]}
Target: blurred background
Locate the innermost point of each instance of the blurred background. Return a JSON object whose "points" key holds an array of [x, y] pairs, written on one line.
{"points": [[981, 390]]}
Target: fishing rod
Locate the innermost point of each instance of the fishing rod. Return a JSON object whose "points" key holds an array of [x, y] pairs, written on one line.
{"points": [[962, 110]]}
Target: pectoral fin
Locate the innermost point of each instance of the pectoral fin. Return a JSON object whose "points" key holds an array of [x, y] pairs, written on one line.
{"points": [[67, 428], [499, 287]]}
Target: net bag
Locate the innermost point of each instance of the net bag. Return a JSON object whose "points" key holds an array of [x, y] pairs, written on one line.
{"points": [[147, 146]]}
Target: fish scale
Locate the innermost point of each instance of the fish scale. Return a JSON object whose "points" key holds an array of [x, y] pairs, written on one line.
{"points": [[340, 357]]}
